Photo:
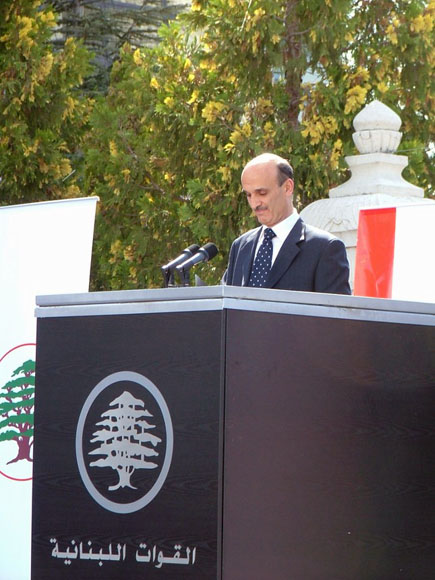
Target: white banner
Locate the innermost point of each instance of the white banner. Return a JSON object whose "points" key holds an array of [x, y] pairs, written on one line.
{"points": [[45, 248]]}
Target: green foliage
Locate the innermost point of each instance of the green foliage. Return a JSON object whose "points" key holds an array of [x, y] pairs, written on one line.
{"points": [[8, 435], [27, 367], [42, 114], [231, 79], [144, 190]]}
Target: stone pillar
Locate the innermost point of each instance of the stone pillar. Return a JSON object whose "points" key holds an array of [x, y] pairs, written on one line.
{"points": [[376, 179]]}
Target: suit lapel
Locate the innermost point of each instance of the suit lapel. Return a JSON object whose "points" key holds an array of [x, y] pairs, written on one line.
{"points": [[246, 255], [287, 253]]}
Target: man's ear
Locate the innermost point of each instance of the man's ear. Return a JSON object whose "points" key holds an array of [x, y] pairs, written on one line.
{"points": [[289, 186]]}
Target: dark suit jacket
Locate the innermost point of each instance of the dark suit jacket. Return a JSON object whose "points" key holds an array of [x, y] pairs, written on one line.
{"points": [[310, 260]]}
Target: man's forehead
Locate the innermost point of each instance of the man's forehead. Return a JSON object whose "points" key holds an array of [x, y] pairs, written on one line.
{"points": [[260, 175], [259, 164]]}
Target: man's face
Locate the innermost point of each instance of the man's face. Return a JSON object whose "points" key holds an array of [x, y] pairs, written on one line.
{"points": [[270, 201]]}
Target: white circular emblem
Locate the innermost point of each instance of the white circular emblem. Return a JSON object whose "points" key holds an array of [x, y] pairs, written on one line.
{"points": [[124, 441]]}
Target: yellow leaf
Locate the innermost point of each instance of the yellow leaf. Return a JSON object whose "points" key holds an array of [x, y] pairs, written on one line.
{"points": [[336, 153], [255, 42], [194, 97], [211, 110], [226, 173], [211, 140], [113, 149], [64, 167], [137, 58], [355, 98], [48, 18], [44, 67], [392, 34], [236, 137], [258, 15], [115, 247], [70, 104], [25, 24], [129, 253], [269, 130], [247, 129]]}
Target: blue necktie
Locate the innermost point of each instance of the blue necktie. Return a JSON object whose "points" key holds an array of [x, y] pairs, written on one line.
{"points": [[263, 261]]}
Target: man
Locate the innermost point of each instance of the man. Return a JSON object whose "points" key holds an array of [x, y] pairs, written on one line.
{"points": [[283, 252]]}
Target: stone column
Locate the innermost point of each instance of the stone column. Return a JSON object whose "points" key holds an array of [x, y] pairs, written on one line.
{"points": [[376, 179]]}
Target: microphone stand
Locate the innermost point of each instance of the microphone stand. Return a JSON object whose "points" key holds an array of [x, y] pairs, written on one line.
{"points": [[184, 274], [168, 278]]}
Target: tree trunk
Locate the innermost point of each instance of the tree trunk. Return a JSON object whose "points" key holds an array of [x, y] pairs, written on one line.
{"points": [[24, 446], [292, 62], [124, 475]]}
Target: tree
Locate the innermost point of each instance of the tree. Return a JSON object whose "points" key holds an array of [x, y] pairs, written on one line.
{"points": [[125, 439], [104, 27], [42, 114], [17, 400], [230, 79]]}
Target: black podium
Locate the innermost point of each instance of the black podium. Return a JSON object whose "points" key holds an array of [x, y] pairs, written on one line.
{"points": [[233, 434]]}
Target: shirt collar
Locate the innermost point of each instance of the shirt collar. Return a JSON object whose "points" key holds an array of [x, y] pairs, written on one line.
{"points": [[283, 228]]}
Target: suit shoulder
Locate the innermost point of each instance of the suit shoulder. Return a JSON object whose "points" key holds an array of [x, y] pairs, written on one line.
{"points": [[246, 236], [312, 233]]}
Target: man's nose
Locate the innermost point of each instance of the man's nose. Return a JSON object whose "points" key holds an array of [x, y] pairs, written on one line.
{"points": [[255, 201]]}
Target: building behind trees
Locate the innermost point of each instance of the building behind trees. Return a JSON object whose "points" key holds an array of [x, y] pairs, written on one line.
{"points": [[105, 25]]}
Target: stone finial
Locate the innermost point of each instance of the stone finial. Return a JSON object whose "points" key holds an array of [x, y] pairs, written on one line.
{"points": [[377, 129], [376, 115], [377, 170]]}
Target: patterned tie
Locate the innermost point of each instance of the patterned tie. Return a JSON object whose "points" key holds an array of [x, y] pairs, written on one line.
{"points": [[263, 261]]}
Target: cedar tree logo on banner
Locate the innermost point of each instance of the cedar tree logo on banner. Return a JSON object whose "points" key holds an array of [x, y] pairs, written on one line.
{"points": [[124, 442], [17, 399]]}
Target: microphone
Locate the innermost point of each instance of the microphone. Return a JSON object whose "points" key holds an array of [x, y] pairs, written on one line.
{"points": [[185, 254], [204, 254], [169, 268]]}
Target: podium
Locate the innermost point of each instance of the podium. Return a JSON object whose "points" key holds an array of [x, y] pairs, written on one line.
{"points": [[233, 434]]}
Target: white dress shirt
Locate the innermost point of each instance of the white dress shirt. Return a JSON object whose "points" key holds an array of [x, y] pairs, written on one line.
{"points": [[281, 231]]}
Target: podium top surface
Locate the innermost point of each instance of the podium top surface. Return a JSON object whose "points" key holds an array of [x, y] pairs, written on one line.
{"points": [[206, 298]]}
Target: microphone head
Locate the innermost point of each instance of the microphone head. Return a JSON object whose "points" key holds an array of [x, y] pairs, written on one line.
{"points": [[211, 250], [192, 249]]}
